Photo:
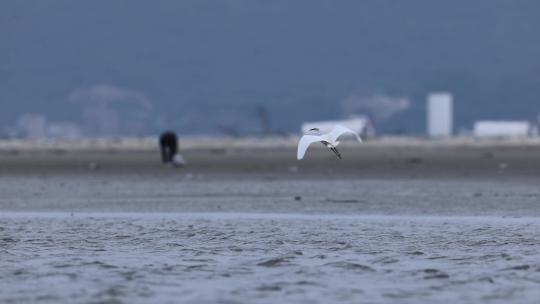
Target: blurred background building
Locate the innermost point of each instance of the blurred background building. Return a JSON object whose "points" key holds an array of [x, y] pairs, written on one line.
{"points": [[37, 126], [361, 124], [488, 128], [440, 114]]}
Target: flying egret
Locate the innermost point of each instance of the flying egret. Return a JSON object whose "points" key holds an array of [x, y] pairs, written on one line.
{"points": [[329, 140]]}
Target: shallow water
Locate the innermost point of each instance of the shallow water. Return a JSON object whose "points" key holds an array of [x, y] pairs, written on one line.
{"points": [[267, 258]]}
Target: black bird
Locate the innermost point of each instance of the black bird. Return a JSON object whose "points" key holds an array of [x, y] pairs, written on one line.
{"points": [[168, 144]]}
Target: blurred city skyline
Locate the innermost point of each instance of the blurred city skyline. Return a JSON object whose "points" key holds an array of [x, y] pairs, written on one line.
{"points": [[135, 68]]}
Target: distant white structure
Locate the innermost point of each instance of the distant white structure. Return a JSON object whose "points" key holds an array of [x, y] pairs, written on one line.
{"points": [[361, 124], [63, 130], [490, 128], [32, 126], [36, 126], [439, 114], [111, 111]]}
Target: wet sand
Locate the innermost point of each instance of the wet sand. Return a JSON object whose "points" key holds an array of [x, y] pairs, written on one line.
{"points": [[371, 179], [359, 161]]}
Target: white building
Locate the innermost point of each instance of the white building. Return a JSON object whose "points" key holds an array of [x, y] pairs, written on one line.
{"points": [[32, 126], [36, 126], [439, 114], [490, 128], [63, 130], [360, 124]]}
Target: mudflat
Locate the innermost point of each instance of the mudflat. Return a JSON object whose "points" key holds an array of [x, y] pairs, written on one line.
{"points": [[372, 160]]}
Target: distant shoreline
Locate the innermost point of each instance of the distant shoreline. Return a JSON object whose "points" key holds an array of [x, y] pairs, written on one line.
{"points": [[202, 143]]}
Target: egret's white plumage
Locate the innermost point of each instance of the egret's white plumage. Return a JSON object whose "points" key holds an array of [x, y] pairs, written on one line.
{"points": [[330, 140]]}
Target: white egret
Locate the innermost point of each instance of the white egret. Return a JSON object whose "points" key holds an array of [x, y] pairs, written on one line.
{"points": [[329, 140]]}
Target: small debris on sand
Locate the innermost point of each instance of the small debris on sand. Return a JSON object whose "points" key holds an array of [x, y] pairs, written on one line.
{"points": [[93, 166]]}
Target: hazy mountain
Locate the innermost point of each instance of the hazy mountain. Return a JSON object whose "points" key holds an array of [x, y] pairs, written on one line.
{"points": [[195, 65]]}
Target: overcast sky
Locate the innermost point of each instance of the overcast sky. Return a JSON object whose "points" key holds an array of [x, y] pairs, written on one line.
{"points": [[196, 66]]}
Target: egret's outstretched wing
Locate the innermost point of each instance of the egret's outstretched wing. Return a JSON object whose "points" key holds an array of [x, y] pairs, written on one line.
{"points": [[304, 143], [340, 130]]}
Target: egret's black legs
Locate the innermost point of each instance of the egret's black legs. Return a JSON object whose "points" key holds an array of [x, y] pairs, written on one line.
{"points": [[329, 146], [336, 152]]}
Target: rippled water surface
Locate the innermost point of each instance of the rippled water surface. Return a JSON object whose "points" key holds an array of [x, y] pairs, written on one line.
{"points": [[267, 258]]}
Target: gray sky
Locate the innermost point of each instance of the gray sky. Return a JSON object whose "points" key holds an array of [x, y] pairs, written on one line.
{"points": [[202, 64]]}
